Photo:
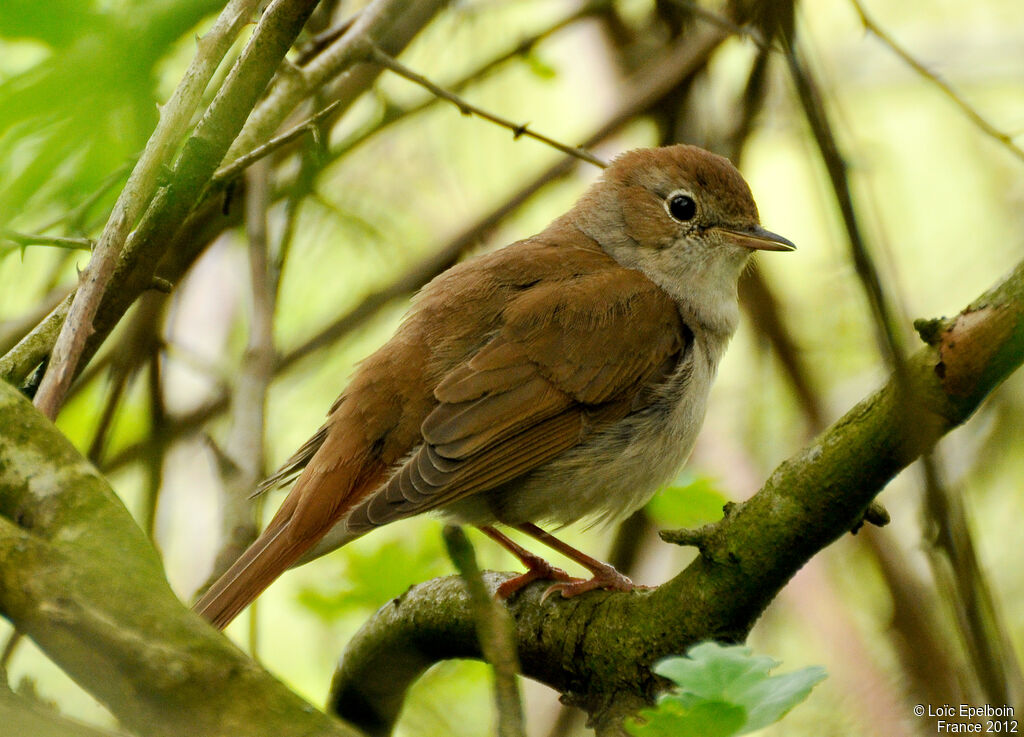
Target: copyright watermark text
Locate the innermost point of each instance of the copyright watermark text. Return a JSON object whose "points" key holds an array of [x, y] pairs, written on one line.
{"points": [[967, 719]]}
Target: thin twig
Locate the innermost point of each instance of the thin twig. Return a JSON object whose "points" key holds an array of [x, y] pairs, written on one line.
{"points": [[75, 217], [889, 339], [726, 24], [466, 108], [138, 341], [966, 108], [494, 631], [322, 40], [34, 239], [174, 120], [375, 21], [393, 113], [157, 426], [16, 364], [118, 382], [756, 295], [955, 564], [246, 438], [309, 125], [14, 329]]}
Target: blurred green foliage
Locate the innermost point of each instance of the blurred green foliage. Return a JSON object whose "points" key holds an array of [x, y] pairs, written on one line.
{"points": [[85, 108], [373, 576], [692, 504]]}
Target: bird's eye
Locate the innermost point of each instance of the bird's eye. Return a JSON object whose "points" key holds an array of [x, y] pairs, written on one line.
{"points": [[681, 207]]}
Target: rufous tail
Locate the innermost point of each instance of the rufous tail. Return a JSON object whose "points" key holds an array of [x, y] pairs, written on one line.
{"points": [[306, 515]]}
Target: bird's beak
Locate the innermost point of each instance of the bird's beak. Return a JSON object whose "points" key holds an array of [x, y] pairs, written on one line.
{"points": [[757, 238]]}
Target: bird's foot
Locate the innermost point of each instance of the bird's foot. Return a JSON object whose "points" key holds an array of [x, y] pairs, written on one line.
{"points": [[537, 569], [606, 578]]}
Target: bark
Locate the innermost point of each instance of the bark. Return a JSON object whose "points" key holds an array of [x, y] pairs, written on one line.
{"points": [[80, 578]]}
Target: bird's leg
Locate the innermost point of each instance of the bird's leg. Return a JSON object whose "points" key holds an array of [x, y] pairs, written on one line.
{"points": [[605, 576], [536, 567]]}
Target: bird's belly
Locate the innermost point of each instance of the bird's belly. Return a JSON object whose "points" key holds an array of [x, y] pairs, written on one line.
{"points": [[611, 473]]}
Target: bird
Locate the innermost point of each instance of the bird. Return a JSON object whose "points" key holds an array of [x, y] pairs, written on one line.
{"points": [[561, 378]]}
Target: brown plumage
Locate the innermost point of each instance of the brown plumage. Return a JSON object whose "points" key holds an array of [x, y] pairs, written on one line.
{"points": [[529, 384]]}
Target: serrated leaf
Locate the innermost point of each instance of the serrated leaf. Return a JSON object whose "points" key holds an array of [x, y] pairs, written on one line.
{"points": [[719, 682]]}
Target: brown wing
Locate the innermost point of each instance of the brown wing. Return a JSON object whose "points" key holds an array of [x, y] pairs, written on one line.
{"points": [[571, 357]]}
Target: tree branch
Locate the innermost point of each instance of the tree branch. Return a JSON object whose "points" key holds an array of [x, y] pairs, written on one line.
{"points": [[20, 716], [496, 636], [1005, 139], [79, 577], [466, 108], [174, 119], [597, 649]]}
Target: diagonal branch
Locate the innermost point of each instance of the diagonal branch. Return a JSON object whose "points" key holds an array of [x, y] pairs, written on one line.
{"points": [[467, 108], [174, 119], [79, 577], [973, 115], [597, 649]]}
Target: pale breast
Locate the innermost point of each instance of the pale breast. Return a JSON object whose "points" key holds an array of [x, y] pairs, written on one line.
{"points": [[617, 469]]}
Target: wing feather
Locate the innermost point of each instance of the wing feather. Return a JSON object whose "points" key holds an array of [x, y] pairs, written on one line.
{"points": [[568, 359]]}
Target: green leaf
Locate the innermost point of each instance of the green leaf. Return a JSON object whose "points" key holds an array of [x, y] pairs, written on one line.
{"points": [[689, 505], [672, 719], [722, 691]]}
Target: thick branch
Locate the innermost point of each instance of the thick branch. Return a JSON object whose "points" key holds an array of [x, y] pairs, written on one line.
{"points": [[80, 578], [20, 716], [597, 649]]}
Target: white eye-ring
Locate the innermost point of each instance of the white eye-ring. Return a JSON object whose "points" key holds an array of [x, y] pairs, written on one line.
{"points": [[681, 206]]}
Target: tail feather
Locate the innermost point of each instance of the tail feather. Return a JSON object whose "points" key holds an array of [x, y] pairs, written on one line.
{"points": [[248, 577], [315, 504]]}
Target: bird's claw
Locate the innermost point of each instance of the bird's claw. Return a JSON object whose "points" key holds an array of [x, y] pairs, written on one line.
{"points": [[536, 572], [608, 579]]}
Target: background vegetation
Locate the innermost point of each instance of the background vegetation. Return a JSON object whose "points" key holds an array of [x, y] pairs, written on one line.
{"points": [[168, 406]]}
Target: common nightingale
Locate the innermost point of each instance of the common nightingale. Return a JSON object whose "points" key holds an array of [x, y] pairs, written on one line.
{"points": [[563, 377]]}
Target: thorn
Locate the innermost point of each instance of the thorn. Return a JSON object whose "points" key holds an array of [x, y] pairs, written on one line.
{"points": [[549, 591]]}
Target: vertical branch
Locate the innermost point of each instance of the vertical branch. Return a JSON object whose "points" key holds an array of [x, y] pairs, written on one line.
{"points": [[158, 432], [244, 445], [495, 632], [887, 334], [955, 564]]}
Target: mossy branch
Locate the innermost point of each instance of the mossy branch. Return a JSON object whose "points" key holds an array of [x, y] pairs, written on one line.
{"points": [[79, 577], [597, 649]]}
